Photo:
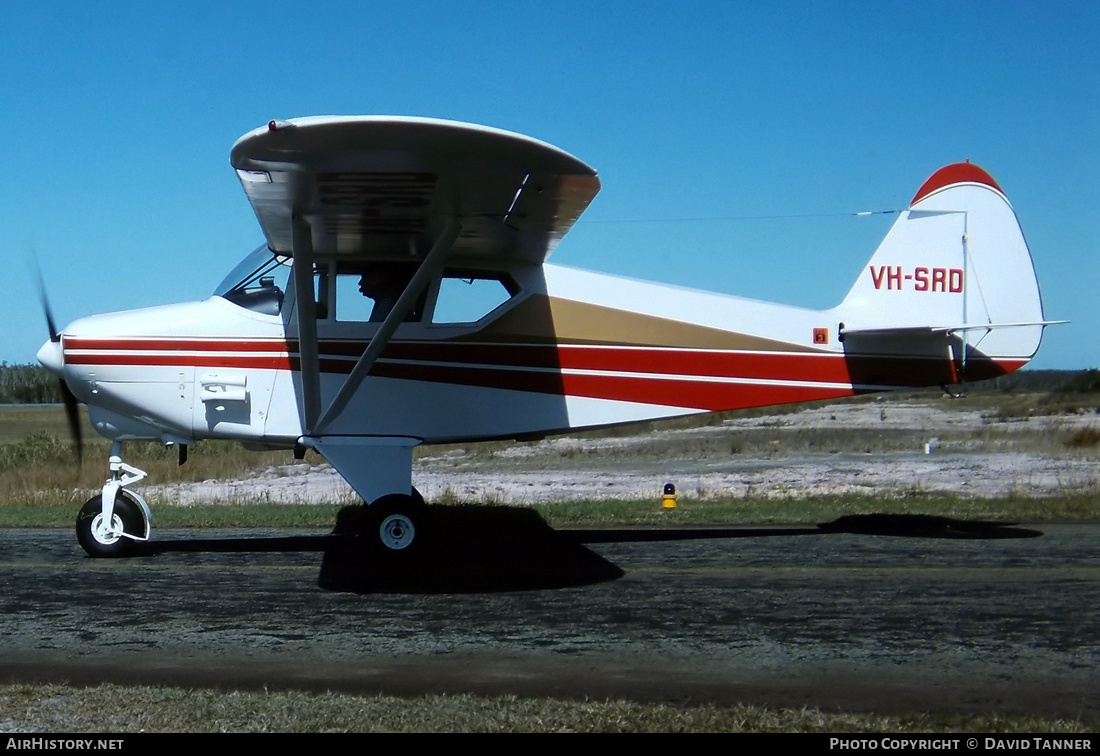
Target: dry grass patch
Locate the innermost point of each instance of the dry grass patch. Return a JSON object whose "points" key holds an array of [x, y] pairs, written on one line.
{"points": [[115, 709], [1086, 438]]}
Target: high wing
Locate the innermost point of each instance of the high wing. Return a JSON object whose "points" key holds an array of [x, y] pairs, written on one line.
{"points": [[385, 187], [421, 190]]}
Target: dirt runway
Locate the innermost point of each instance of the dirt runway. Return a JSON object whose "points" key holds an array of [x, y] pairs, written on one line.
{"points": [[905, 615]]}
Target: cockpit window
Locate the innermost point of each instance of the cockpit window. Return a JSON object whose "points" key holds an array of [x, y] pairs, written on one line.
{"points": [[257, 282]]}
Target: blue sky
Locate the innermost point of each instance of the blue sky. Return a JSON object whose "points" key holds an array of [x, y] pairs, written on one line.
{"points": [[117, 121]]}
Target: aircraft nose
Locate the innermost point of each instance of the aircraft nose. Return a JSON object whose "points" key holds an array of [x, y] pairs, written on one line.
{"points": [[51, 357]]}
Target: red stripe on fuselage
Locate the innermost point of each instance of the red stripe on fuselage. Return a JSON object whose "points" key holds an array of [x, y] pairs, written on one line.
{"points": [[660, 374], [662, 391], [179, 345], [277, 362]]}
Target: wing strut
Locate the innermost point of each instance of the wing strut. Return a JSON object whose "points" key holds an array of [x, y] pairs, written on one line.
{"points": [[431, 265], [302, 241]]}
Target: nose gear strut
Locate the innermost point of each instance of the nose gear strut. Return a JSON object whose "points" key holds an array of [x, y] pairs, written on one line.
{"points": [[112, 521]]}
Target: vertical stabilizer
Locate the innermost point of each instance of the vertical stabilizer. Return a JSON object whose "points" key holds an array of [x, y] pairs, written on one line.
{"points": [[955, 266]]}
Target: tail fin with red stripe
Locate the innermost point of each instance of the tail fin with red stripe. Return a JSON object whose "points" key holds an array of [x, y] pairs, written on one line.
{"points": [[953, 273]]}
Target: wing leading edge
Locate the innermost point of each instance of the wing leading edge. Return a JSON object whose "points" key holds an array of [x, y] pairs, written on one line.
{"points": [[386, 188]]}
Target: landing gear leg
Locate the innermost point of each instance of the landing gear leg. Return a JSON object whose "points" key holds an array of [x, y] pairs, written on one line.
{"points": [[111, 522]]}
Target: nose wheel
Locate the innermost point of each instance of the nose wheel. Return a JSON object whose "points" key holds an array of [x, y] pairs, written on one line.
{"points": [[104, 538]]}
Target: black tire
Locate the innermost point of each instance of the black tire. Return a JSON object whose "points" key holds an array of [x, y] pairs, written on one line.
{"points": [[127, 512], [396, 525]]}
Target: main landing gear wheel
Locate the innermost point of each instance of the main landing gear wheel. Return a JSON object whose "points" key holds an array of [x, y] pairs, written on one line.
{"points": [[104, 540], [396, 524]]}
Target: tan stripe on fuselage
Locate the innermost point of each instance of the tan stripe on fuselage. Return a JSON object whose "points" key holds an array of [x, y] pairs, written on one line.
{"points": [[542, 319]]}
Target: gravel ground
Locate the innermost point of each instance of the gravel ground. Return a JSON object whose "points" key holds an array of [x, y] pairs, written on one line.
{"points": [[919, 446]]}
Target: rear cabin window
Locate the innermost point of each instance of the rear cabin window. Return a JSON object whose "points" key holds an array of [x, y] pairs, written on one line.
{"points": [[467, 298]]}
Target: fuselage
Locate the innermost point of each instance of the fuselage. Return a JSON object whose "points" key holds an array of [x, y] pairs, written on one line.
{"points": [[566, 349]]}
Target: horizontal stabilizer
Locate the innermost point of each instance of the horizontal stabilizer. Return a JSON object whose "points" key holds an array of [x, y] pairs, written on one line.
{"points": [[917, 330]]}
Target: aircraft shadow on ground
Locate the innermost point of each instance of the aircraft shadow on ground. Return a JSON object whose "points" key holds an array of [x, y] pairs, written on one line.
{"points": [[466, 549], [493, 549]]}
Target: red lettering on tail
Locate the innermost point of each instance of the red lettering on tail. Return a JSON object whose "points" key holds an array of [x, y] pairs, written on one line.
{"points": [[924, 279], [893, 277], [877, 277]]}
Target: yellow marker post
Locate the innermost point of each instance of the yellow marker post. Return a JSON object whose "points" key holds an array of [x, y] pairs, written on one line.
{"points": [[668, 498]]}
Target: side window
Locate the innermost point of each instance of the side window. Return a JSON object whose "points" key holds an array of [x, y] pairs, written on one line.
{"points": [[367, 293], [467, 298], [351, 304]]}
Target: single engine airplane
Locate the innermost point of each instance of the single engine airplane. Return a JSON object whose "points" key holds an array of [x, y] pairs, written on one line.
{"points": [[402, 297]]}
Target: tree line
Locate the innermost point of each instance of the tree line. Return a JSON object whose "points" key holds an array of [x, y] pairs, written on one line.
{"points": [[28, 384]]}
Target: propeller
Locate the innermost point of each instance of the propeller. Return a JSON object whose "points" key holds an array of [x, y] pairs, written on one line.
{"points": [[69, 399]]}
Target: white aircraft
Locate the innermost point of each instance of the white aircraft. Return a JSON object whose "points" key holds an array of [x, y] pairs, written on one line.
{"points": [[402, 297]]}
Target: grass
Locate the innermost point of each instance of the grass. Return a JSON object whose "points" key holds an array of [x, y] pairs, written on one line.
{"points": [[819, 509], [201, 516], [1086, 438], [39, 467], [54, 513], [123, 710], [17, 421]]}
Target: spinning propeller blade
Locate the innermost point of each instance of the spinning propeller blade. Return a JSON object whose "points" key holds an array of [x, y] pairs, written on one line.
{"points": [[73, 415], [67, 397]]}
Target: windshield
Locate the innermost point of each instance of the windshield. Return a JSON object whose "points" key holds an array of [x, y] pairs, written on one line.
{"points": [[257, 264], [257, 282]]}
